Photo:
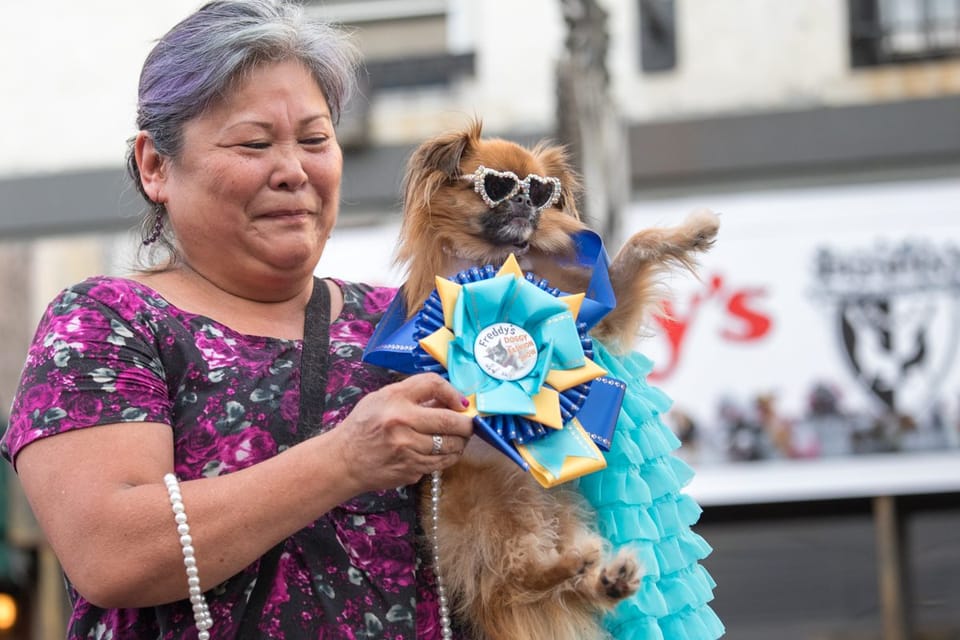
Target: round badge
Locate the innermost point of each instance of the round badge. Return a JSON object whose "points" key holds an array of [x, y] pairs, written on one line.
{"points": [[505, 351]]}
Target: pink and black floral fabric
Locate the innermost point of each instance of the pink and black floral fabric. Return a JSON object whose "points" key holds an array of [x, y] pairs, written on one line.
{"points": [[111, 350]]}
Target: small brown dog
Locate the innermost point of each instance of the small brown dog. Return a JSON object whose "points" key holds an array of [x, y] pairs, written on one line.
{"points": [[520, 562]]}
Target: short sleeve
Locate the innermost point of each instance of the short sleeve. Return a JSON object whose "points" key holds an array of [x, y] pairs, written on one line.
{"points": [[89, 364]]}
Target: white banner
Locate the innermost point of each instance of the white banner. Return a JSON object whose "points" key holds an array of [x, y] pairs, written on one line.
{"points": [[826, 322]]}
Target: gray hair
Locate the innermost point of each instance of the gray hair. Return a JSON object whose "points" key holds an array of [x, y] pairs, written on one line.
{"points": [[204, 55]]}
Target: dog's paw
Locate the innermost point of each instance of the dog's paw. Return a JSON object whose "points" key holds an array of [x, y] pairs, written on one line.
{"points": [[703, 226], [620, 578], [589, 552]]}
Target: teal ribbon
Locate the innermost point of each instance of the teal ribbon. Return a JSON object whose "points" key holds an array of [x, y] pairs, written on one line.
{"points": [[508, 299], [553, 451], [558, 337]]}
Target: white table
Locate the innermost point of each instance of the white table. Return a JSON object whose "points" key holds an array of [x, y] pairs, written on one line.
{"points": [[882, 478]]}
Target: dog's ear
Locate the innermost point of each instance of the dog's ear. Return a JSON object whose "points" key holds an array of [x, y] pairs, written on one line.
{"points": [[435, 162], [556, 161], [444, 152]]}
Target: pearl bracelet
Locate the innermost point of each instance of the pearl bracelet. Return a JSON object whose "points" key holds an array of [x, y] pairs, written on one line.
{"points": [[201, 612]]}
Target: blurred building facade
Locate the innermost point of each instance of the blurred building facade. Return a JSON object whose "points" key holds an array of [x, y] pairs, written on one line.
{"points": [[713, 98]]}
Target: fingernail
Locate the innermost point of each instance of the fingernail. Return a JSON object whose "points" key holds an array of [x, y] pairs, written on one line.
{"points": [[465, 402]]}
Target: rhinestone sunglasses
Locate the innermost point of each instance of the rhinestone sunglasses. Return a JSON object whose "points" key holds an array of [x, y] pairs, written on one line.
{"points": [[497, 186]]}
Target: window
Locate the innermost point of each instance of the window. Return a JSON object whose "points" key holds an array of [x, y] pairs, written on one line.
{"points": [[351, 10], [658, 35], [895, 31], [404, 42]]}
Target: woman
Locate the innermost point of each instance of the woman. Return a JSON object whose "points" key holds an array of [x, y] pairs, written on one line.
{"points": [[230, 367]]}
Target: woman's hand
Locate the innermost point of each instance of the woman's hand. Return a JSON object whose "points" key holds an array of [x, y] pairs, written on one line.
{"points": [[388, 438]]}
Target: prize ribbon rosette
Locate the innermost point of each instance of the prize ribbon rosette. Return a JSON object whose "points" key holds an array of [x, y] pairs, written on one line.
{"points": [[518, 349]]}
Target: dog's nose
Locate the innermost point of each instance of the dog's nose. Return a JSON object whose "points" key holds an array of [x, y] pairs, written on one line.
{"points": [[522, 199], [521, 206]]}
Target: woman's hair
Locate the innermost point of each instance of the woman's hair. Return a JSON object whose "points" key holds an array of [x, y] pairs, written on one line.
{"points": [[203, 56]]}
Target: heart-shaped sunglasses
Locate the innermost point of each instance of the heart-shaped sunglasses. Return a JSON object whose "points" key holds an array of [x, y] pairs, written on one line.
{"points": [[497, 186]]}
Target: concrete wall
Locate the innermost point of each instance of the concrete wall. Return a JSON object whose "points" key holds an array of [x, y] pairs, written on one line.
{"points": [[68, 74]]}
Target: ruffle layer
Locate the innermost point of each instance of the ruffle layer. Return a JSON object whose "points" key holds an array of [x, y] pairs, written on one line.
{"points": [[666, 595], [689, 624], [639, 504]]}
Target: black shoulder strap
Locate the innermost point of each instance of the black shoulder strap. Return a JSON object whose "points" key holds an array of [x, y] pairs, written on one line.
{"points": [[313, 362], [313, 396]]}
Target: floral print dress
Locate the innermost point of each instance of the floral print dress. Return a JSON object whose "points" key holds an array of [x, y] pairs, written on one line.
{"points": [[111, 350]]}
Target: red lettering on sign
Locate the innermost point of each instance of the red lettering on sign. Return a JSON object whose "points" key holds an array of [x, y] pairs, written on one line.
{"points": [[736, 303], [753, 324]]}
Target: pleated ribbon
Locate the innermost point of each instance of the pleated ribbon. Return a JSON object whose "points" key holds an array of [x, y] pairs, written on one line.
{"points": [[518, 349]]}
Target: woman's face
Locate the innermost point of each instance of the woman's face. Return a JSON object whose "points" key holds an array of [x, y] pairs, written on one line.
{"points": [[254, 194]]}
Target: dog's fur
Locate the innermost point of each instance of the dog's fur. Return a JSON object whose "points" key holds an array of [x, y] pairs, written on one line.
{"points": [[518, 561]]}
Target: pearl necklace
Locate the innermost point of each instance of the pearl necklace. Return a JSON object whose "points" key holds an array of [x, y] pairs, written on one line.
{"points": [[435, 490]]}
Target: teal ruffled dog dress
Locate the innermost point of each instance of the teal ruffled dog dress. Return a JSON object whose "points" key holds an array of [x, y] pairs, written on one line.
{"points": [[639, 503]]}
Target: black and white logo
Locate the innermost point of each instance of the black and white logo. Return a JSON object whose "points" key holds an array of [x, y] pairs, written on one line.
{"points": [[897, 317]]}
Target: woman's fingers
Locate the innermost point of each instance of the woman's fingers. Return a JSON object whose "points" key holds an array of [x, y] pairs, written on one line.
{"points": [[439, 407], [406, 430], [444, 445], [429, 389], [442, 421]]}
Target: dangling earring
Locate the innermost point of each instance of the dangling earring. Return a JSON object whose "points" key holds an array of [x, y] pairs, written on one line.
{"points": [[158, 211]]}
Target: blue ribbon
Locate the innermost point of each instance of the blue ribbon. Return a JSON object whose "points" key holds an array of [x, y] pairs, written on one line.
{"points": [[595, 404]]}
